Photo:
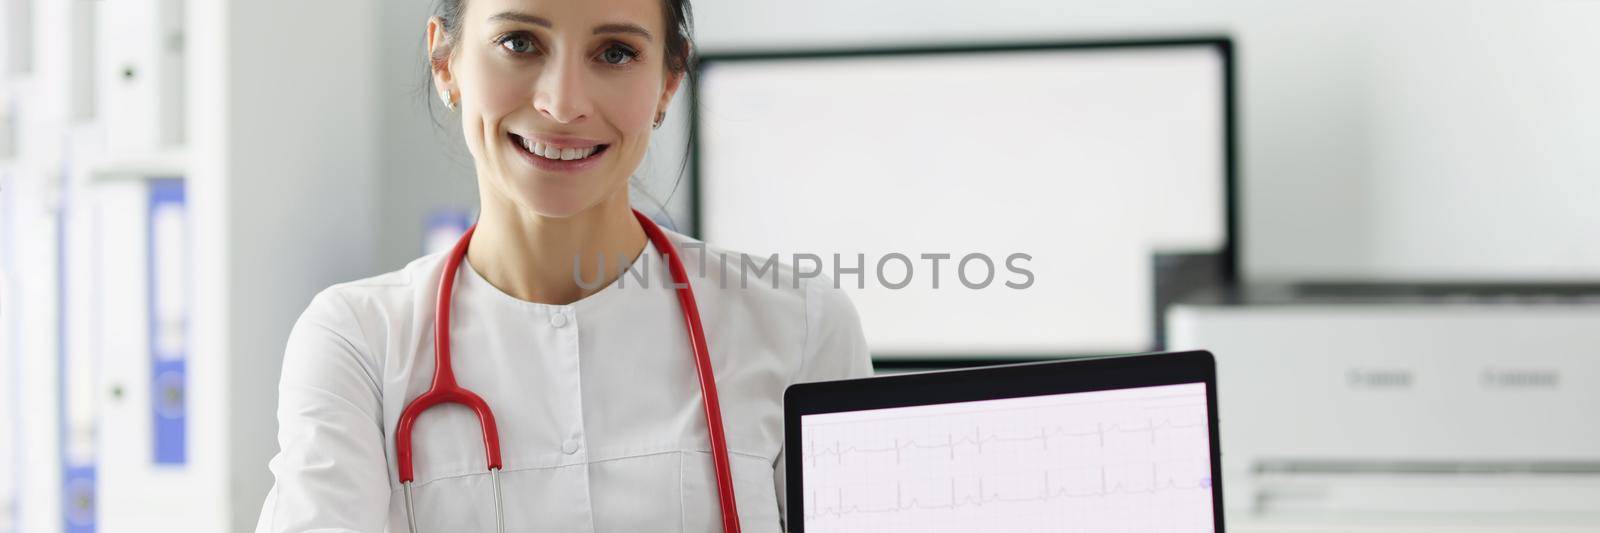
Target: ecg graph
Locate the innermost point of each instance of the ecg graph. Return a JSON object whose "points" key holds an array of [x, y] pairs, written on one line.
{"points": [[1131, 460]]}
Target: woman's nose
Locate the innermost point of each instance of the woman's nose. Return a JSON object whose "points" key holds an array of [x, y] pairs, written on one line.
{"points": [[560, 93]]}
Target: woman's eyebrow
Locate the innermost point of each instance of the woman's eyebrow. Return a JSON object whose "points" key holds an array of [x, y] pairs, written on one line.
{"points": [[614, 27], [525, 18], [618, 27]]}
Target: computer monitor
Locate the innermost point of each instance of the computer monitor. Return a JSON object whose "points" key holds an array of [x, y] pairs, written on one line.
{"points": [[1108, 165], [1110, 444]]}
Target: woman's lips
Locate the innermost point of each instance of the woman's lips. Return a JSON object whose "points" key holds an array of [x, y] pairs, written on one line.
{"points": [[521, 145]]}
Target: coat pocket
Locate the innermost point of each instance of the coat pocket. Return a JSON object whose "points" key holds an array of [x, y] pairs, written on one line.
{"points": [[753, 487]]}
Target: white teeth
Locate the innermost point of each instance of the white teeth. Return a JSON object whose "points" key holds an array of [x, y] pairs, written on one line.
{"points": [[561, 154]]}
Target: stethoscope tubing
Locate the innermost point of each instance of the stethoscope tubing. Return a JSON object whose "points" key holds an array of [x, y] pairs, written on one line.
{"points": [[445, 389]]}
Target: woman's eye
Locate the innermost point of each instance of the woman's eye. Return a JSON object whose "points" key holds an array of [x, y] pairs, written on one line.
{"points": [[517, 44], [618, 55]]}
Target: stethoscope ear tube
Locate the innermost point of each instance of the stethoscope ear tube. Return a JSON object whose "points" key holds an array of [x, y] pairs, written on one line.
{"points": [[445, 389], [499, 505], [702, 367]]}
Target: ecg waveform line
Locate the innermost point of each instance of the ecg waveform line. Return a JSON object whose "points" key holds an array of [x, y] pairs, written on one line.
{"points": [[984, 497], [813, 454]]}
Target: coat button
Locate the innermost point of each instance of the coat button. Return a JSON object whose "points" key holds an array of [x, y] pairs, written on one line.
{"points": [[558, 319], [570, 446]]}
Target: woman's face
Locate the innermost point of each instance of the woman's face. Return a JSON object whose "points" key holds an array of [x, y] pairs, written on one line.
{"points": [[557, 97]]}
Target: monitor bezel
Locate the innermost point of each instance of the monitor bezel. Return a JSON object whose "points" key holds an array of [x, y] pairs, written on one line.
{"points": [[996, 383], [1228, 255]]}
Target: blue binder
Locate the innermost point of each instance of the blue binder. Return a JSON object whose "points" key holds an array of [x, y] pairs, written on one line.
{"points": [[169, 322]]}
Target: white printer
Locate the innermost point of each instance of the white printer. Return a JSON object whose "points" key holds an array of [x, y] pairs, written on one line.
{"points": [[1417, 412]]}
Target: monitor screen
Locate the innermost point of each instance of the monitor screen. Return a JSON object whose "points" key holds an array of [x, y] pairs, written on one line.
{"points": [[980, 203], [1135, 459]]}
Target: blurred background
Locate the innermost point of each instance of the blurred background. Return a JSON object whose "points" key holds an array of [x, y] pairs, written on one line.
{"points": [[1379, 215]]}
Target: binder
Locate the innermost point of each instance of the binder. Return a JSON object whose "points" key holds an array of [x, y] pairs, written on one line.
{"points": [[75, 357], [168, 260]]}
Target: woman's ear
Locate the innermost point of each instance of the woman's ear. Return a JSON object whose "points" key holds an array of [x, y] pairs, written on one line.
{"points": [[674, 79], [439, 46]]}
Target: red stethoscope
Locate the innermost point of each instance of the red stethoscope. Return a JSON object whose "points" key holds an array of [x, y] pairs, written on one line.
{"points": [[446, 390]]}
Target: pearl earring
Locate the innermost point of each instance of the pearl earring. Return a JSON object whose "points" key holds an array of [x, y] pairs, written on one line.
{"points": [[449, 103], [659, 117]]}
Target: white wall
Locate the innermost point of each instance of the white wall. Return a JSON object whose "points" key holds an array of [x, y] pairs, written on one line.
{"points": [[285, 149], [422, 166], [1380, 138]]}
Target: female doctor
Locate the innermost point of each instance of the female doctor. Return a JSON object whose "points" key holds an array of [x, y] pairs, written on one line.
{"points": [[599, 406]]}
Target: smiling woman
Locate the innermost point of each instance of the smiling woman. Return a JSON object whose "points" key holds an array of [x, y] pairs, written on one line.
{"points": [[605, 394], [541, 84]]}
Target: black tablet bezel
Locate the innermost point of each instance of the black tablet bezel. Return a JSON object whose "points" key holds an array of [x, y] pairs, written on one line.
{"points": [[995, 383]]}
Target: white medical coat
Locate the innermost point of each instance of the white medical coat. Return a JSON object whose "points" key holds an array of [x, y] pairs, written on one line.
{"points": [[599, 411]]}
